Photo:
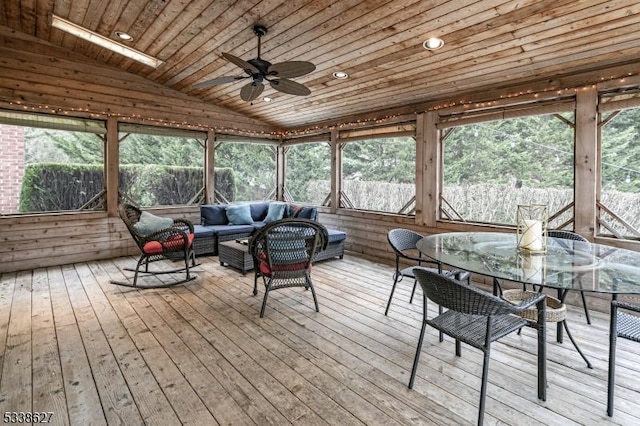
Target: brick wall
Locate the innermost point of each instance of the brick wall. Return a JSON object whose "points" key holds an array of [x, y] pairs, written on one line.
{"points": [[11, 167]]}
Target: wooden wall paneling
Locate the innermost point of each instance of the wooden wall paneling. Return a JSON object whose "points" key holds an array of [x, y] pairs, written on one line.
{"points": [[72, 83], [3, 13], [586, 155], [35, 241]]}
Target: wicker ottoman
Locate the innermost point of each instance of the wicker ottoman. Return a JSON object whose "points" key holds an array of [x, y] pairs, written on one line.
{"points": [[236, 255]]}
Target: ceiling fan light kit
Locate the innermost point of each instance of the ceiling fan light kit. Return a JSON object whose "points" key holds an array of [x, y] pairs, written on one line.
{"points": [[260, 71]]}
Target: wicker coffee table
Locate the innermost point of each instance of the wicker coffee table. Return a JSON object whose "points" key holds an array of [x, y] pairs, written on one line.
{"points": [[236, 255]]}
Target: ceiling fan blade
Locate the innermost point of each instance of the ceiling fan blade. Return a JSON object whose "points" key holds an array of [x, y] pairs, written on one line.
{"points": [[246, 66], [291, 69], [251, 91], [291, 87], [216, 81]]}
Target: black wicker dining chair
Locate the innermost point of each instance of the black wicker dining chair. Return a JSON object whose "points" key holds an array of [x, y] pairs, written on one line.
{"points": [[478, 318], [403, 242], [282, 254], [568, 235], [158, 241], [627, 326]]}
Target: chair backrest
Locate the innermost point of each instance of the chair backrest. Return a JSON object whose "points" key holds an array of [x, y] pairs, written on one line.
{"points": [[403, 239], [288, 246], [461, 297], [567, 235], [130, 215]]}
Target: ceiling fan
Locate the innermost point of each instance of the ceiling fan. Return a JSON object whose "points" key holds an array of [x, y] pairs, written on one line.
{"points": [[259, 70]]}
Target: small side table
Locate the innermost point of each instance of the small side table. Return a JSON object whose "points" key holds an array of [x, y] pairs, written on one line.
{"points": [[235, 255]]}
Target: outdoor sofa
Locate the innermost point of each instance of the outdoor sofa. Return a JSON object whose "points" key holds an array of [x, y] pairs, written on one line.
{"points": [[225, 222]]}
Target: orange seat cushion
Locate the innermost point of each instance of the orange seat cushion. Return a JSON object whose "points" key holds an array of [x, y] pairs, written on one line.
{"points": [[266, 270], [172, 244]]}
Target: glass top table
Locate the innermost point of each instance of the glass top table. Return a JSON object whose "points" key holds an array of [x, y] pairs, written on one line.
{"points": [[600, 268]]}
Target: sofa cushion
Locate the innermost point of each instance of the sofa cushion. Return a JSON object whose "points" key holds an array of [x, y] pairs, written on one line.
{"points": [[259, 210], [213, 214], [336, 236], [201, 231], [150, 223], [239, 214], [232, 229], [275, 212]]}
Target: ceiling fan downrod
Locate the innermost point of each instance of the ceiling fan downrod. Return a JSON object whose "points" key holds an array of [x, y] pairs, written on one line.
{"points": [[258, 62]]}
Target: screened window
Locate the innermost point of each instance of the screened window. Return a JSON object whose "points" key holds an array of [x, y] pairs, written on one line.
{"points": [[379, 174], [308, 173], [252, 167], [619, 207], [491, 167], [161, 166], [50, 163]]}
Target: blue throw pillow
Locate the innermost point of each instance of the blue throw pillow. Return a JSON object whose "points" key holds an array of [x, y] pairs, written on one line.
{"points": [[239, 214], [150, 223], [275, 212], [213, 214]]}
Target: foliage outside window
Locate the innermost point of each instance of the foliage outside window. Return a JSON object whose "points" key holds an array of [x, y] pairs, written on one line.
{"points": [[308, 172], [160, 169], [50, 163], [254, 169], [491, 167], [379, 174], [620, 176]]}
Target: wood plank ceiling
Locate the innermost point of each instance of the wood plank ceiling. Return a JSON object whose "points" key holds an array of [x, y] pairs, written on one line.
{"points": [[488, 44]]}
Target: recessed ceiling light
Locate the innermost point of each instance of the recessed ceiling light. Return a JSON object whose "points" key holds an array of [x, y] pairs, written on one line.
{"points": [[102, 41], [433, 43], [267, 99], [340, 75], [124, 36]]}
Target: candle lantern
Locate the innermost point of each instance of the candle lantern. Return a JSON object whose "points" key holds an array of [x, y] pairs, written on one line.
{"points": [[531, 228]]}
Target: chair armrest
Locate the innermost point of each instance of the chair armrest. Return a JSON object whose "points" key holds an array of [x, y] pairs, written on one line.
{"points": [[166, 234], [624, 305], [537, 299]]}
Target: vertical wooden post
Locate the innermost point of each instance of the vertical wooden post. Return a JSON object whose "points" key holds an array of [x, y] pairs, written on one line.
{"points": [[586, 149], [209, 168], [281, 162], [419, 218], [112, 166], [430, 167], [336, 171]]}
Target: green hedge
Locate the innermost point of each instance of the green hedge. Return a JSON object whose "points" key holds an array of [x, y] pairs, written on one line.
{"points": [[55, 187]]}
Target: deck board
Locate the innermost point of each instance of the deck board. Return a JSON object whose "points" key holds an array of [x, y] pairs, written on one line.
{"points": [[96, 353]]}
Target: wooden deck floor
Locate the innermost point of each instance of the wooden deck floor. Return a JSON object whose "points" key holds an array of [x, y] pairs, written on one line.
{"points": [[95, 353]]}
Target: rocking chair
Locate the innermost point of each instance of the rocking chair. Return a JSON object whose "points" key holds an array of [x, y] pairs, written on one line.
{"points": [[173, 241]]}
